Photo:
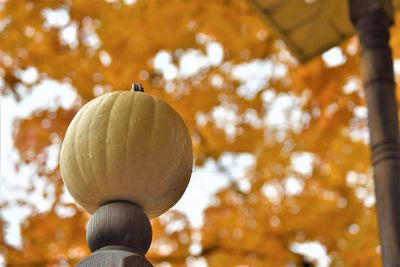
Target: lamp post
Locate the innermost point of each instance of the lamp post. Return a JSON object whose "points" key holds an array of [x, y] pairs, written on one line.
{"points": [[311, 27], [126, 157]]}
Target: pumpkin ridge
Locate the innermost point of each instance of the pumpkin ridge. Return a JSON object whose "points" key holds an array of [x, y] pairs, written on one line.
{"points": [[149, 142], [133, 101], [80, 172], [184, 160], [108, 177], [183, 179], [78, 163], [77, 189], [169, 171], [93, 119], [72, 156], [168, 167]]}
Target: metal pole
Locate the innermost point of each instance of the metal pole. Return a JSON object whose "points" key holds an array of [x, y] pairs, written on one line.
{"points": [[372, 19]]}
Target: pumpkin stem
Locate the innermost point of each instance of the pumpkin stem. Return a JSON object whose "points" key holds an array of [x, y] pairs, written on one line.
{"points": [[137, 87]]}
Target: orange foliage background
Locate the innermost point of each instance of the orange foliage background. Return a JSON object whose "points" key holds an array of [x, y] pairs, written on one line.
{"points": [[242, 227]]}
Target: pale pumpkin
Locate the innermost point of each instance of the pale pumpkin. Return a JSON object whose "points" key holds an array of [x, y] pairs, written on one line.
{"points": [[128, 146]]}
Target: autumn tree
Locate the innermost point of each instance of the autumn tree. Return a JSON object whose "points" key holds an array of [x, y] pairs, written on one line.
{"points": [[303, 127]]}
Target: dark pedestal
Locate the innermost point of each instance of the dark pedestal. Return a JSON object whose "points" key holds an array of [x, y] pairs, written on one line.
{"points": [[119, 235]]}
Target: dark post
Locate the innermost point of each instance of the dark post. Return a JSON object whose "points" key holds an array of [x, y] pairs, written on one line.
{"points": [[119, 235], [372, 19]]}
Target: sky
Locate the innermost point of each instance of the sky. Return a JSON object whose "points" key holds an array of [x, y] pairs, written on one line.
{"points": [[284, 112]]}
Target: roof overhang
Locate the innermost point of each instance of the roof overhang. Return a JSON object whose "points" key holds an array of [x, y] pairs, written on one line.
{"points": [[308, 27]]}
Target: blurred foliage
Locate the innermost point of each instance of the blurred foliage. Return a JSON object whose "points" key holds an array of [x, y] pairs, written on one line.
{"points": [[116, 45]]}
